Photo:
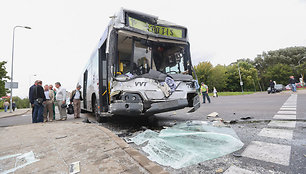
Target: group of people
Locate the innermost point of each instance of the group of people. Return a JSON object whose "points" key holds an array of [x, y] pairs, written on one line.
{"points": [[44, 99], [6, 105]]}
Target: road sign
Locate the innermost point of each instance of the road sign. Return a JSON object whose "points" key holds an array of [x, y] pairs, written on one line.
{"points": [[241, 83], [8, 85]]}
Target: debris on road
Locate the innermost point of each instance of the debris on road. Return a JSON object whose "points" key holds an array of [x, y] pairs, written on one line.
{"points": [[246, 118], [86, 120], [74, 168], [237, 155], [188, 143], [61, 137], [219, 170], [213, 114], [233, 121]]}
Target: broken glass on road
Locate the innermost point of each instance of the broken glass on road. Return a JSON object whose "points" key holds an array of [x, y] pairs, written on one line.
{"points": [[188, 143]]}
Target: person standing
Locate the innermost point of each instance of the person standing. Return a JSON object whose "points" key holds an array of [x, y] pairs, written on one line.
{"points": [[39, 98], [76, 98], [292, 83], [204, 91], [54, 95], [6, 104], [272, 87], [215, 92], [13, 106], [61, 101], [48, 106], [31, 97]]}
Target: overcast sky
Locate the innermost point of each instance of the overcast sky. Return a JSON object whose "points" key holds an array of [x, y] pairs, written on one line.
{"points": [[65, 32]]}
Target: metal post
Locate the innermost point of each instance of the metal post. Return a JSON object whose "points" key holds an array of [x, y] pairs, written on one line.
{"points": [[241, 83], [12, 67]]}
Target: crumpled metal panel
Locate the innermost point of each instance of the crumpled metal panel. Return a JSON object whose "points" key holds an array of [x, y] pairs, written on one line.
{"points": [[188, 143]]}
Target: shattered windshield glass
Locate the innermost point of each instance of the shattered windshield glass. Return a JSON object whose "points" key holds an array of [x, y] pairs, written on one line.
{"points": [[188, 143]]}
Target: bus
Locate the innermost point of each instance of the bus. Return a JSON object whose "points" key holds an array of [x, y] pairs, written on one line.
{"points": [[141, 66]]}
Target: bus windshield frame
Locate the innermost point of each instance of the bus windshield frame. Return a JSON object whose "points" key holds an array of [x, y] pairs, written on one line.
{"points": [[138, 55]]}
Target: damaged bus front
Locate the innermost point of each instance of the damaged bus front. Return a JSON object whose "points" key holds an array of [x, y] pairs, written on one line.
{"points": [[144, 67]]}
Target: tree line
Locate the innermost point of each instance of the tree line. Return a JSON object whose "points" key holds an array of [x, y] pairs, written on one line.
{"points": [[275, 65]]}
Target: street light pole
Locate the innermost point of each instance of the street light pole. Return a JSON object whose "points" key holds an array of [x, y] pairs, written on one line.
{"points": [[241, 83], [11, 99]]}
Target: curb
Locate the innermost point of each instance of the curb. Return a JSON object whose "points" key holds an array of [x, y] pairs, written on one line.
{"points": [[147, 164], [16, 114]]}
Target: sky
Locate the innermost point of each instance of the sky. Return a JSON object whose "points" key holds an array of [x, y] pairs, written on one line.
{"points": [[65, 32]]}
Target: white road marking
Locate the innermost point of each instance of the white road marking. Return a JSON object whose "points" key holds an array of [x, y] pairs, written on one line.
{"points": [[274, 153], [288, 109], [276, 133], [287, 124], [284, 117], [286, 112], [288, 106], [236, 170]]}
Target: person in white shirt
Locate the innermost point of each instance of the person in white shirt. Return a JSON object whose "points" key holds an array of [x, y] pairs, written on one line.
{"points": [[48, 105], [61, 101], [76, 98]]}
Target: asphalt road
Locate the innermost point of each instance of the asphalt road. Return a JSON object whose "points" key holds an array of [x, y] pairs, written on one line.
{"points": [[267, 148]]}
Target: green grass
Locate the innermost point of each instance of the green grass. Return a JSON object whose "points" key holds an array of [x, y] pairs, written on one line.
{"points": [[231, 93], [1, 110]]}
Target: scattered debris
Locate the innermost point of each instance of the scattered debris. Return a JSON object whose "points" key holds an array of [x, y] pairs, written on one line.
{"points": [[86, 120], [304, 155], [213, 114], [233, 121], [143, 128], [65, 136], [74, 168], [237, 155], [218, 124], [219, 170], [127, 140], [246, 118], [218, 119]]}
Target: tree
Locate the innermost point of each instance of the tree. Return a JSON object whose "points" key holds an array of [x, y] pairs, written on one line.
{"points": [[3, 78], [218, 78], [203, 71], [279, 73]]}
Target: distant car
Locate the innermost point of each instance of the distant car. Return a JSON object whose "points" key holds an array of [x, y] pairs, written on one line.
{"points": [[277, 88]]}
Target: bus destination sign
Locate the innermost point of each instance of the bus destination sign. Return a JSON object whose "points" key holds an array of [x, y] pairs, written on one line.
{"points": [[161, 30]]}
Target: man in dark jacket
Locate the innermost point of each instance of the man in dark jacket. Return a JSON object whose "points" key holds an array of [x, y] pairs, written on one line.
{"points": [[272, 85], [31, 98], [38, 99]]}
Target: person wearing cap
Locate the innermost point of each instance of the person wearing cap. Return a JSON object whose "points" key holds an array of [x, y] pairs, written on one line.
{"points": [[76, 98], [61, 101]]}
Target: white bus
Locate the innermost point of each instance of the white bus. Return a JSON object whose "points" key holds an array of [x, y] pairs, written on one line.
{"points": [[141, 66]]}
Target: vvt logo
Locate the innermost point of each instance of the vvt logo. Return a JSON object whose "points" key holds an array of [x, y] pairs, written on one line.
{"points": [[140, 83]]}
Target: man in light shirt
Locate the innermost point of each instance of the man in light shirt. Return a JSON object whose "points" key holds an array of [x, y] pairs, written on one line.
{"points": [[48, 105], [61, 101], [76, 98]]}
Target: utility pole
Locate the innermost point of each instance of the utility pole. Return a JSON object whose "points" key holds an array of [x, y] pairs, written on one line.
{"points": [[11, 99]]}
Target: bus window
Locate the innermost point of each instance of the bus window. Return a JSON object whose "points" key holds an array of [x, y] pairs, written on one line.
{"points": [[142, 58], [124, 54]]}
